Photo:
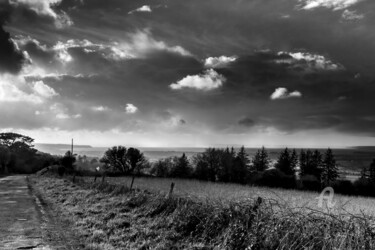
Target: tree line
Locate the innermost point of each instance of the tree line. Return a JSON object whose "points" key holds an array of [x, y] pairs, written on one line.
{"points": [[18, 155], [315, 169]]}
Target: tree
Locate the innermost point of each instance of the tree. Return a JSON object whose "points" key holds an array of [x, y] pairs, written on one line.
{"points": [[22, 153], [12, 140], [181, 167], [201, 170], [311, 163], [330, 170], [285, 162], [162, 168], [68, 161], [212, 157], [240, 166], [116, 158], [294, 160], [4, 159], [261, 160], [136, 161], [372, 171], [226, 169]]}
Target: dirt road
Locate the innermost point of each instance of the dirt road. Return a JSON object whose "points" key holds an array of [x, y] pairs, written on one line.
{"points": [[21, 218]]}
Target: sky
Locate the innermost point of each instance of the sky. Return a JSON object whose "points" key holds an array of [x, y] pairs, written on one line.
{"points": [[189, 73]]}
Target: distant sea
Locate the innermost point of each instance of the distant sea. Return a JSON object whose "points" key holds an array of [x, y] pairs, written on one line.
{"points": [[353, 158]]}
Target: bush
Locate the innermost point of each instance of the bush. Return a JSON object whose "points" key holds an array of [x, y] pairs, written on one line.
{"points": [[61, 170], [364, 187], [344, 187], [274, 178], [310, 182]]}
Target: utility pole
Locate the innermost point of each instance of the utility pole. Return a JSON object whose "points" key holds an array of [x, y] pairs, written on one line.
{"points": [[72, 147]]}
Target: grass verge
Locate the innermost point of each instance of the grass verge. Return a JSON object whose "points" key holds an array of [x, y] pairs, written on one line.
{"points": [[113, 217]]}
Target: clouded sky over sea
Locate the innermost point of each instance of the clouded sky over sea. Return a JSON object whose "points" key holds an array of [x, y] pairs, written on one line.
{"points": [[298, 73]]}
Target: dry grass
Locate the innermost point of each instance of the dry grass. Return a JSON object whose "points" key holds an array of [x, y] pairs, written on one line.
{"points": [[113, 217], [233, 192]]}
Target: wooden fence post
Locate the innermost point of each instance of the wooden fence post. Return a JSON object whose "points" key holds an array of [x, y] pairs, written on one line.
{"points": [[171, 190], [131, 185], [103, 177]]}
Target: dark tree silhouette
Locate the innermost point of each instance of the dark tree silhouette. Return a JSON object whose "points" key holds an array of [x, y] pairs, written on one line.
{"points": [[4, 159], [162, 168], [22, 153], [285, 162], [181, 167], [261, 160], [68, 161], [241, 169], [311, 163], [136, 161], [201, 170], [372, 171], [329, 170], [226, 169], [14, 140], [116, 158]]}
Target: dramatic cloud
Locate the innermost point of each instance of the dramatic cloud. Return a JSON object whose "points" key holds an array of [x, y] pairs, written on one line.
{"points": [[209, 80], [283, 93], [130, 108], [11, 59], [331, 4], [176, 66], [45, 8], [218, 62]]}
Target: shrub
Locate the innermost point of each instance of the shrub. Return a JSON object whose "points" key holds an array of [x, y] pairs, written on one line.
{"points": [[61, 170], [274, 178], [310, 182], [364, 187], [344, 187]]}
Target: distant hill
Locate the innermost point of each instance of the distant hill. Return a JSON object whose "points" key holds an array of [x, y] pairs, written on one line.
{"points": [[59, 149], [60, 145]]}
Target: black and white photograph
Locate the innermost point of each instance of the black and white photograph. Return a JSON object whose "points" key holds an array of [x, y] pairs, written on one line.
{"points": [[187, 124]]}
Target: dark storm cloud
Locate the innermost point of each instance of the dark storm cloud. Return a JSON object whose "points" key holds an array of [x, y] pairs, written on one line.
{"points": [[11, 59], [246, 122]]}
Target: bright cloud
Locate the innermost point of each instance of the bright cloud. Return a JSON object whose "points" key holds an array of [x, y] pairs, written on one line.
{"points": [[312, 61], [16, 89], [99, 108], [141, 43], [331, 4], [283, 93], [209, 80], [144, 8], [43, 90], [219, 62], [130, 108]]}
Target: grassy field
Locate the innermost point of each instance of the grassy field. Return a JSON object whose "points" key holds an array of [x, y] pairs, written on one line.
{"points": [[293, 199], [107, 216]]}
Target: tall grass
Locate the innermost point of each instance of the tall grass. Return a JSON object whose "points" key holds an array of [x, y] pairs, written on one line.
{"points": [[110, 216], [224, 192]]}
